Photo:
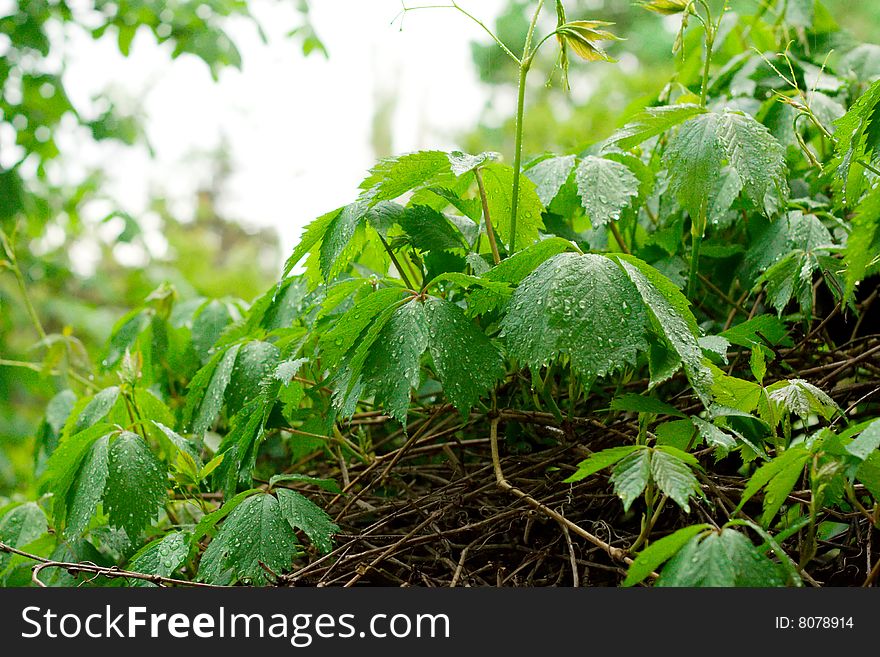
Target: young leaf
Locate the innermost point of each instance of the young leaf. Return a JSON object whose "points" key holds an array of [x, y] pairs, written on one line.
{"points": [[631, 475], [582, 306], [136, 484], [674, 477], [304, 514], [467, 363], [584, 36], [255, 533], [606, 189], [802, 398], [659, 552], [326, 484], [599, 461]]}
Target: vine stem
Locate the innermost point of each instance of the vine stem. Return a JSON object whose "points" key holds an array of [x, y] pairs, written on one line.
{"points": [[87, 567], [486, 217], [615, 553]]}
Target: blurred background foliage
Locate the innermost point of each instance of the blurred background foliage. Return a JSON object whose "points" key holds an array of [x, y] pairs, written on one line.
{"points": [[55, 310]]}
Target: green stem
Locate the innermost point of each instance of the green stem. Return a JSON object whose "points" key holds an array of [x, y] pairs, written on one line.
{"points": [[525, 64], [487, 219], [397, 265], [710, 42], [697, 240], [517, 152], [22, 285]]}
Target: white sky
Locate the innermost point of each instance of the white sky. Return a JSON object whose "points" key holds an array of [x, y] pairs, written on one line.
{"points": [[298, 128]]}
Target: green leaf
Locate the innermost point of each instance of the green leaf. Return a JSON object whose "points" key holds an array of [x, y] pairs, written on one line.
{"points": [[207, 390], [136, 484], [631, 475], [255, 533], [21, 525], [659, 552], [868, 473], [461, 163], [757, 157], [599, 461], [63, 466], [670, 313], [856, 138], [641, 404], [727, 559], [652, 122], [394, 176], [312, 235], [254, 362], [89, 488], [336, 342], [498, 181], [210, 520], [677, 433], [304, 514], [697, 152], [339, 232], [208, 324], [863, 243], [550, 175], [391, 367], [674, 477], [867, 442], [97, 409], [512, 270], [606, 189], [756, 331], [758, 363], [327, 484], [582, 306], [160, 557], [123, 336], [778, 477], [466, 361], [430, 230], [802, 398], [714, 436]]}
